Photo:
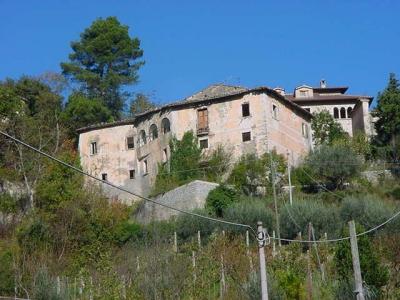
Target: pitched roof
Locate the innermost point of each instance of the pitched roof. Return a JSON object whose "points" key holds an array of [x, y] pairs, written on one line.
{"points": [[216, 90], [213, 93]]}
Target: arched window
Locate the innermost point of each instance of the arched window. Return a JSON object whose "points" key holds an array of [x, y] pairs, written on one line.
{"points": [[349, 110], [165, 126], [336, 113], [153, 134], [142, 138], [343, 113]]}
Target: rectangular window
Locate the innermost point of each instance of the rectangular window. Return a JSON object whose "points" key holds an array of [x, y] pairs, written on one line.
{"points": [[246, 136], [165, 155], [130, 142], [204, 144], [145, 167], [104, 176], [132, 174], [304, 130], [275, 112], [245, 109], [93, 148], [202, 120]]}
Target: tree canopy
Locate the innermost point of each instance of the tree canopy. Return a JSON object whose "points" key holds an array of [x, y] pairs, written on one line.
{"points": [[388, 112], [140, 104], [104, 60], [325, 129]]}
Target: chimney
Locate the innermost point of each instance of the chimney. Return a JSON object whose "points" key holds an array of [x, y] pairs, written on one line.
{"points": [[280, 90], [322, 83]]}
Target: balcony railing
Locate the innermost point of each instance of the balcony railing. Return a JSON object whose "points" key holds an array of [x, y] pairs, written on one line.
{"points": [[202, 130]]}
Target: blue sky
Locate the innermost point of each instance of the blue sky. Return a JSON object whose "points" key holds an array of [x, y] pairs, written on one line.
{"points": [[191, 44]]}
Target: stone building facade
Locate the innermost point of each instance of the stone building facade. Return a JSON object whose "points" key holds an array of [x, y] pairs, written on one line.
{"points": [[127, 153]]}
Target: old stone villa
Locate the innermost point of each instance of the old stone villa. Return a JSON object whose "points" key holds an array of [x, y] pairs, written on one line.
{"points": [[243, 120]]}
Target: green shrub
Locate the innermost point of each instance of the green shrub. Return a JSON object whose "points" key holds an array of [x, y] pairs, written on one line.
{"points": [[7, 273], [333, 164], [250, 172], [220, 198], [395, 193], [127, 231], [249, 212], [187, 226], [366, 210], [295, 218], [8, 204], [373, 272]]}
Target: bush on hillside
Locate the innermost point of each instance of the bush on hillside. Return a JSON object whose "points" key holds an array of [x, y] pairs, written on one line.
{"points": [[249, 212], [366, 210], [252, 172], [334, 164], [295, 218], [373, 272], [220, 198], [187, 226]]}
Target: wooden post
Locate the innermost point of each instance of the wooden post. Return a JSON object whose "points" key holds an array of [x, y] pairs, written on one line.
{"points": [[223, 284], [290, 181], [248, 251], [275, 200], [309, 270], [263, 267], [175, 242], [356, 262], [58, 286], [199, 239], [194, 267], [273, 244]]}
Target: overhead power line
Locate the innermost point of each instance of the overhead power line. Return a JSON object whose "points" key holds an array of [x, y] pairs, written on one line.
{"points": [[187, 212], [123, 189]]}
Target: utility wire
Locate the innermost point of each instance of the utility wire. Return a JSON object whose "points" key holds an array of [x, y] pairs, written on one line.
{"points": [[187, 212], [123, 189]]}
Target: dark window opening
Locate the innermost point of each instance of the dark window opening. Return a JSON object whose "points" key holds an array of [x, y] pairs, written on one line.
{"points": [[130, 141], [343, 113], [132, 174], [204, 144], [93, 148], [142, 138], [104, 176], [245, 109], [153, 132], [246, 136], [349, 111], [336, 113], [165, 126], [145, 167], [275, 112]]}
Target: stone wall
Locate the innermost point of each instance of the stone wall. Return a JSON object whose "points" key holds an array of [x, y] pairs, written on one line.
{"points": [[186, 197]]}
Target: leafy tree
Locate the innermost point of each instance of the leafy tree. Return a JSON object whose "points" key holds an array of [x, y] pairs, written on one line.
{"points": [[32, 115], [388, 113], [81, 111], [104, 60], [373, 272], [325, 129], [251, 172], [220, 198], [183, 165], [336, 164], [140, 104]]}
